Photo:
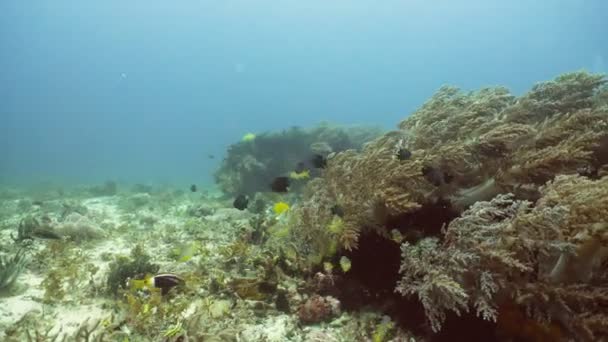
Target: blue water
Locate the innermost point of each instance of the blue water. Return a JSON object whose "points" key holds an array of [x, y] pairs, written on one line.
{"points": [[143, 91]]}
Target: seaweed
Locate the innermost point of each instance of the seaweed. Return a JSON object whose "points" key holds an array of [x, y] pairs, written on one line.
{"points": [[124, 268], [68, 272], [11, 268]]}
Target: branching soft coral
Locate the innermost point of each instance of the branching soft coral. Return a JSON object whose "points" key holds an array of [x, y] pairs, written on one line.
{"points": [[507, 248], [309, 224], [468, 147], [475, 260], [565, 94], [586, 225], [451, 115], [566, 144], [528, 177], [373, 184]]}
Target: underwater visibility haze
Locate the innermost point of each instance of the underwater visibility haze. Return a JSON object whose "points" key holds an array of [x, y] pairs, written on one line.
{"points": [[398, 170], [145, 90]]}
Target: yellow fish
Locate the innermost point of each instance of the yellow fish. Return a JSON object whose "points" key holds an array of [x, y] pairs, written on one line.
{"points": [[164, 282], [299, 175], [397, 236], [185, 252], [280, 207], [345, 264], [248, 137], [140, 284]]}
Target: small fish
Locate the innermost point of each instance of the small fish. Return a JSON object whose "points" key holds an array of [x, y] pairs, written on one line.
{"points": [[319, 161], [280, 184], [345, 264], [164, 282], [248, 137], [300, 167], [397, 236], [210, 156], [435, 176], [241, 202], [403, 154], [280, 207], [193, 187], [185, 252], [328, 267], [299, 176], [337, 210]]}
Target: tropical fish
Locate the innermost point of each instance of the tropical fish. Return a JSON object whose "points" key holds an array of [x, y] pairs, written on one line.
{"points": [[397, 236], [193, 187], [337, 210], [280, 207], [241, 202], [403, 154], [301, 175], [164, 282], [345, 264], [318, 161], [186, 252], [435, 176], [300, 167], [248, 137], [280, 184]]}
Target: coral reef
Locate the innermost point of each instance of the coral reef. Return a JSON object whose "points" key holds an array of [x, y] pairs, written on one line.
{"points": [[548, 258], [466, 148], [484, 216], [251, 165], [499, 202]]}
